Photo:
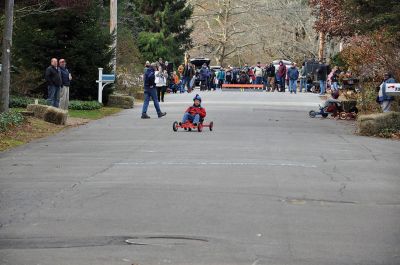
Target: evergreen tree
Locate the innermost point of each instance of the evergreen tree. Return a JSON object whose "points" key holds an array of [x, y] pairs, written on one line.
{"points": [[375, 15], [164, 32], [73, 34]]}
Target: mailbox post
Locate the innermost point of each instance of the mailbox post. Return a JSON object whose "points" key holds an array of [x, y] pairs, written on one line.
{"points": [[104, 79]]}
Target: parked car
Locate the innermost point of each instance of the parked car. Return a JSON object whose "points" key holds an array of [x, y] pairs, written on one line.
{"points": [[198, 63]]}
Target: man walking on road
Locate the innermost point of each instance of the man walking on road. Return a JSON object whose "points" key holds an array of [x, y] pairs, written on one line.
{"points": [[150, 91], [53, 79]]}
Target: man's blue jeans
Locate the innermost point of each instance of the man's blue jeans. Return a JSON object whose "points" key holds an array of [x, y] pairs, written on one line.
{"points": [[186, 83], [303, 83], [53, 98], [193, 118], [281, 82], [151, 93], [259, 80], [322, 86], [334, 86], [292, 86]]}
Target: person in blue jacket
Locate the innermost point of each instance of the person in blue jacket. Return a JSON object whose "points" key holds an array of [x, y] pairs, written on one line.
{"points": [[384, 99], [293, 76], [150, 91]]}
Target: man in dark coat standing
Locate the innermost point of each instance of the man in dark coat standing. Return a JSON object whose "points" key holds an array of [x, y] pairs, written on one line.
{"points": [[53, 79], [150, 91]]}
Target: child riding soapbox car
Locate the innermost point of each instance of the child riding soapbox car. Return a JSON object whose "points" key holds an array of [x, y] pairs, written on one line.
{"points": [[189, 126], [335, 107]]}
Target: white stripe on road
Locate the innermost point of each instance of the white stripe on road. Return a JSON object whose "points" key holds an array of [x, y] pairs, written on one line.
{"points": [[172, 163], [257, 103]]}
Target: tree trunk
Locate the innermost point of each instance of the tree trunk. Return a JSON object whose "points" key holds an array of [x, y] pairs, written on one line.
{"points": [[321, 46], [6, 58]]}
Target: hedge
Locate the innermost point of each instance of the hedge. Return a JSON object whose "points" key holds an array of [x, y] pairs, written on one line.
{"points": [[10, 119], [84, 105], [23, 102]]}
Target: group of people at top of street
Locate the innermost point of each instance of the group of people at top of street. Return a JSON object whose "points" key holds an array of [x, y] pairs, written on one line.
{"points": [[58, 80]]}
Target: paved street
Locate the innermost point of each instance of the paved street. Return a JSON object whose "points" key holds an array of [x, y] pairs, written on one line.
{"points": [[269, 186]]}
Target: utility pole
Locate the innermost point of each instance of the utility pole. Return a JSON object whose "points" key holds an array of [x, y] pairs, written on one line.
{"points": [[113, 31], [6, 58]]}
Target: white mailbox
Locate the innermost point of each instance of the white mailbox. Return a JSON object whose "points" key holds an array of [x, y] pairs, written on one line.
{"points": [[104, 79], [393, 89]]}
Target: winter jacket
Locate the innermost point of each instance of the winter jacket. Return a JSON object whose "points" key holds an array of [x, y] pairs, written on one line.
{"points": [[281, 71], [188, 71], [160, 79], [65, 76], [270, 72], [293, 73], [149, 79], [193, 110], [221, 75], [322, 72], [204, 73], [53, 76], [382, 92], [258, 72]]}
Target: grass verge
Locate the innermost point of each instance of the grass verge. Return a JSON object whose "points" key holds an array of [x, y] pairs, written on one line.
{"points": [[32, 129], [35, 128], [93, 114]]}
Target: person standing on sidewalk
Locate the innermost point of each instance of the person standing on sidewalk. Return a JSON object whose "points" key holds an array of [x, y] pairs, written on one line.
{"points": [[150, 91], [66, 78], [280, 75], [270, 73], [258, 73], [303, 78], [53, 79], [188, 74], [322, 73], [161, 83], [293, 75]]}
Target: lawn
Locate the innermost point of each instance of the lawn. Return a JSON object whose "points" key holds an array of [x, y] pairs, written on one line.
{"points": [[93, 114], [35, 128], [32, 129]]}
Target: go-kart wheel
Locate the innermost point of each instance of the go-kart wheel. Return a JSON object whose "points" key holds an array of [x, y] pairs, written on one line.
{"points": [[200, 127], [343, 115], [189, 129], [211, 125], [312, 114], [325, 115], [175, 126]]}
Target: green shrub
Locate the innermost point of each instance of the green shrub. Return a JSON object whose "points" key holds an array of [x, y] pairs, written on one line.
{"points": [[23, 102], [84, 105], [10, 119]]}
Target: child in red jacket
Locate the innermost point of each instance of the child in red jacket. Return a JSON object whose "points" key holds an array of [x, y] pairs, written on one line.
{"points": [[194, 113]]}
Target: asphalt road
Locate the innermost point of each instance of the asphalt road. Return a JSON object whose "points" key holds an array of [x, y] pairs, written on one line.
{"points": [[268, 186]]}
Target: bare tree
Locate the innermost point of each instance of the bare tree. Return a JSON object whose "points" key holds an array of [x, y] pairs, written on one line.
{"points": [[6, 56], [221, 27], [255, 30]]}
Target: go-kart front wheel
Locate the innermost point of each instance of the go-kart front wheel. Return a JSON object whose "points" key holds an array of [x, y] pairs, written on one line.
{"points": [[325, 115], [312, 114], [200, 127], [175, 126], [211, 125], [343, 116]]}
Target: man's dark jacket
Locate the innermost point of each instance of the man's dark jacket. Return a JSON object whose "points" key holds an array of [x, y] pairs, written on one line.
{"points": [[53, 76], [149, 79]]}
